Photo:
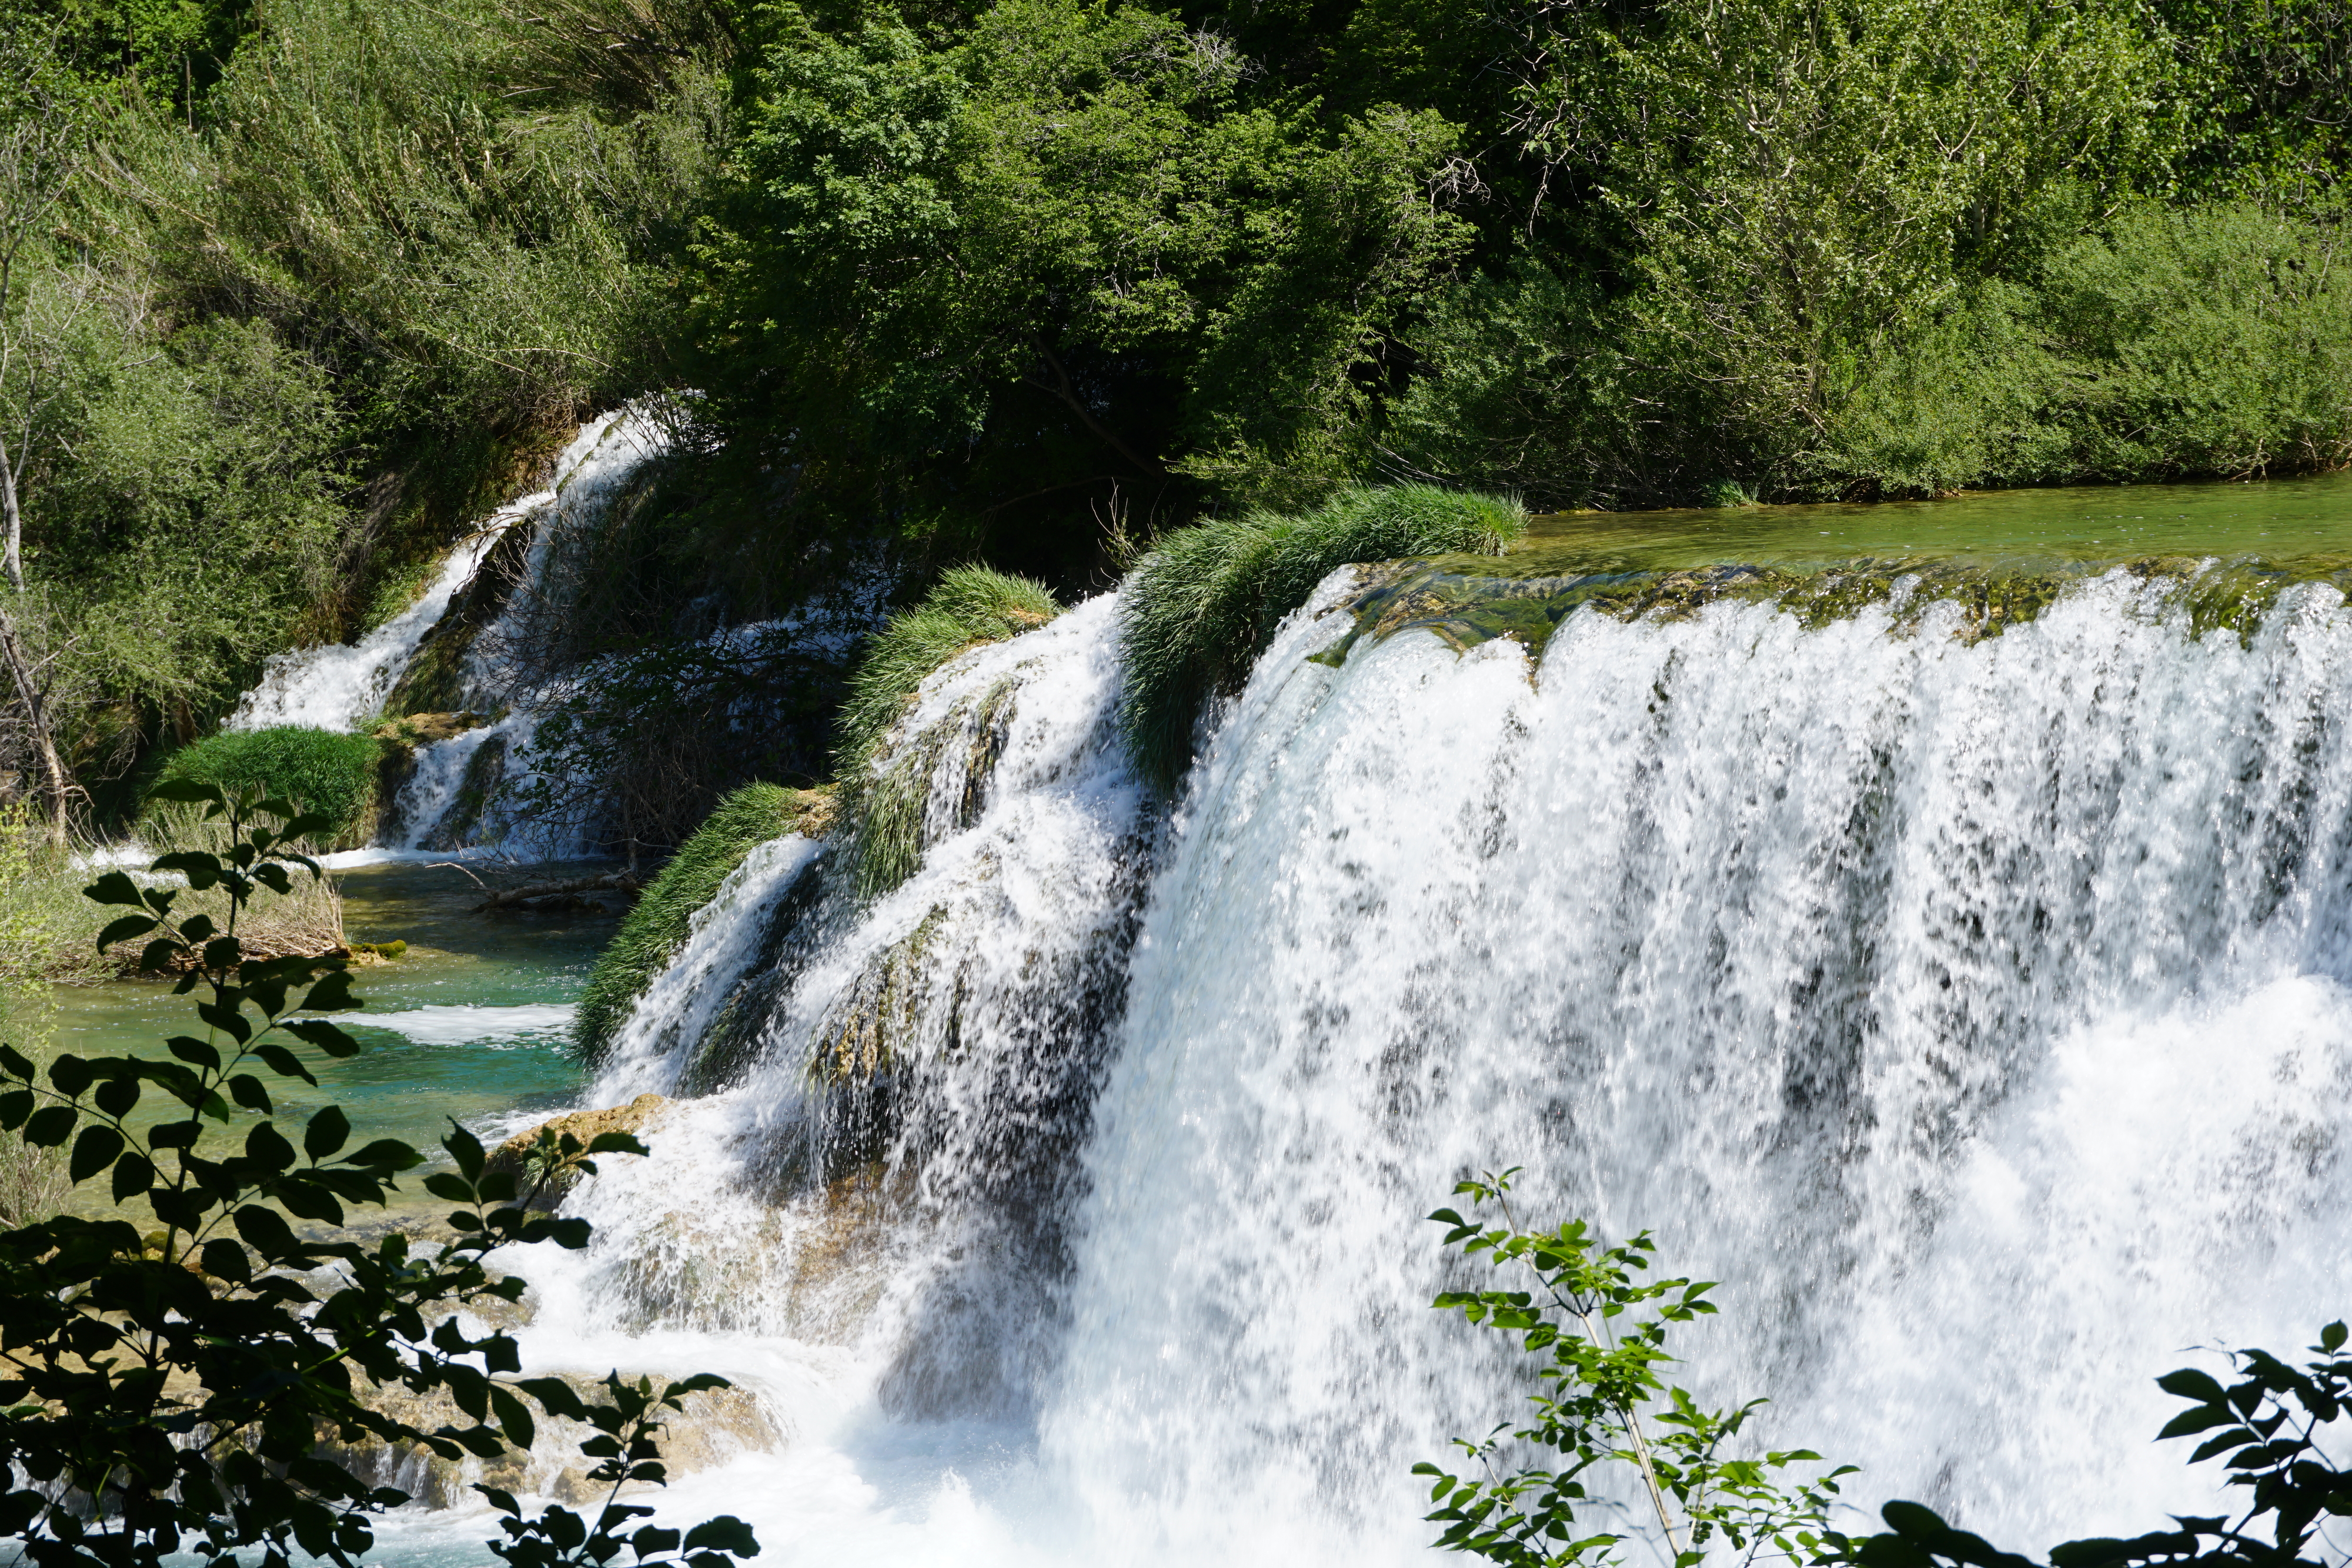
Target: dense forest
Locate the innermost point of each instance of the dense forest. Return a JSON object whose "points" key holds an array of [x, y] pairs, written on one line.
{"points": [[292, 289]]}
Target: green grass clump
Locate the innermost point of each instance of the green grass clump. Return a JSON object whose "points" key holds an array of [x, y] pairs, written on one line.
{"points": [[329, 773], [1203, 605], [657, 927], [971, 605]]}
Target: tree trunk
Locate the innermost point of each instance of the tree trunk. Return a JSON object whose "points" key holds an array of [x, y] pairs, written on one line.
{"points": [[13, 556], [37, 719]]}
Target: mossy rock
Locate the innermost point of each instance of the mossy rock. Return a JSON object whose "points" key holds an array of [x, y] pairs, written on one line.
{"points": [[653, 932]]}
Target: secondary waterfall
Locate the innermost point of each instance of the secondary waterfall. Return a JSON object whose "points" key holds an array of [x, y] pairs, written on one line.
{"points": [[1974, 1008]]}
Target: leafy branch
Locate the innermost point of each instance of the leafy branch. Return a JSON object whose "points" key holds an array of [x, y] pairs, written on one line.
{"points": [[1603, 1335], [170, 1392]]}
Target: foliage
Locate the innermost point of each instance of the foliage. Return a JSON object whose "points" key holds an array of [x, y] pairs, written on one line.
{"points": [[1603, 1336], [885, 777], [2267, 1425], [982, 274], [331, 775], [653, 932], [168, 1392], [1205, 602]]}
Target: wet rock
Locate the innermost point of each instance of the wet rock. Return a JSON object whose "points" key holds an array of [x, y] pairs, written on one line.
{"points": [[514, 1154], [714, 1427]]}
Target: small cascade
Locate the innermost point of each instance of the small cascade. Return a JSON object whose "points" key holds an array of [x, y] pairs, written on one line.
{"points": [[1971, 999], [452, 796], [893, 1089], [340, 686]]}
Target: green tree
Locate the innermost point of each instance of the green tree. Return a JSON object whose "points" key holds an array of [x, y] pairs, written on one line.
{"points": [[960, 271], [169, 1391]]}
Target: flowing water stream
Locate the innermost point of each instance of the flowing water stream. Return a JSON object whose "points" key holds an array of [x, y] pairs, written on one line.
{"points": [[1938, 934]]}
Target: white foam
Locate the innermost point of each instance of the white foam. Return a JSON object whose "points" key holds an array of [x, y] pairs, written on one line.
{"points": [[463, 1023]]}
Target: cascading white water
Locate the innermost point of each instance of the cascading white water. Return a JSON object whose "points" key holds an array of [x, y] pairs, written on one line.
{"points": [[1975, 1010], [606, 454], [337, 686]]}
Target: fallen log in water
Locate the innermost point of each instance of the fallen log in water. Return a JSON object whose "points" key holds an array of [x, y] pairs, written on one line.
{"points": [[547, 895]]}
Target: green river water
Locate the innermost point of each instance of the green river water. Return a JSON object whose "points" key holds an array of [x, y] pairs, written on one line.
{"points": [[470, 1024]]}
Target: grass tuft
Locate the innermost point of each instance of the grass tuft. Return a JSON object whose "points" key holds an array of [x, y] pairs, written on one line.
{"points": [[1205, 603], [659, 926], [885, 796]]}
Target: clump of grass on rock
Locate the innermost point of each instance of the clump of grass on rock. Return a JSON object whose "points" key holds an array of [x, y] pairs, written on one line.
{"points": [[659, 926], [971, 606], [1205, 604]]}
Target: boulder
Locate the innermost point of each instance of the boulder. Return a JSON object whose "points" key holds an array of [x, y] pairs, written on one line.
{"points": [[634, 1118]]}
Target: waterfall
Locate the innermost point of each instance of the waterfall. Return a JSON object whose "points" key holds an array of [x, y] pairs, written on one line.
{"points": [[1972, 1006], [452, 797], [339, 686]]}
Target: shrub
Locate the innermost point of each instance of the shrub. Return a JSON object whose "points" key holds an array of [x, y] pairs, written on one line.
{"points": [[332, 775], [1205, 604], [172, 1389], [657, 927]]}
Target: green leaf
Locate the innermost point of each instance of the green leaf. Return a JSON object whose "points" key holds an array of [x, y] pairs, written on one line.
{"points": [[2191, 1384], [284, 1062], [159, 954], [389, 1152], [555, 1396], [328, 1130], [333, 993], [466, 1149], [224, 1259], [193, 1051], [188, 790], [2197, 1419], [265, 1232], [1913, 1520], [133, 1176], [246, 1091], [49, 1127], [449, 1187], [2332, 1337], [71, 1074], [514, 1418], [115, 887], [14, 1107], [203, 869], [93, 1152], [725, 1533], [617, 1143], [125, 928], [328, 1038]]}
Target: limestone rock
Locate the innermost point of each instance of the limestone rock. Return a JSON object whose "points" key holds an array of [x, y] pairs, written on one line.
{"points": [[634, 1117]]}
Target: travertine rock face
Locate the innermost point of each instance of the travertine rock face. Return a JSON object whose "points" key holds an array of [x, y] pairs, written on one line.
{"points": [[715, 1424]]}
